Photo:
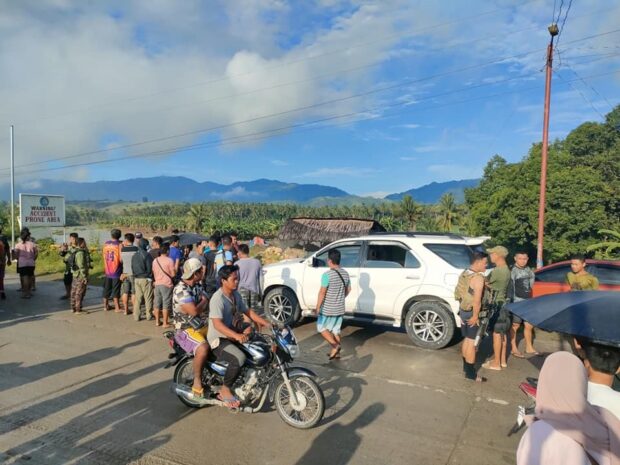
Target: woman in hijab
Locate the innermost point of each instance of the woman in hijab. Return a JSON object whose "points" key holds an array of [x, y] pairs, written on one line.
{"points": [[566, 429]]}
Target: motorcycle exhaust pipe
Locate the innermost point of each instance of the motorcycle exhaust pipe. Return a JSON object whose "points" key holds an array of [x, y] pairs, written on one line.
{"points": [[186, 392]]}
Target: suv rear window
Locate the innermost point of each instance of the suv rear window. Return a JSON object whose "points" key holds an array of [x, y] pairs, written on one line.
{"points": [[457, 255]]}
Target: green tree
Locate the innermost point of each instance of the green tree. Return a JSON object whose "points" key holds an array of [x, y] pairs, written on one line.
{"points": [[410, 211], [610, 243], [448, 212], [583, 194]]}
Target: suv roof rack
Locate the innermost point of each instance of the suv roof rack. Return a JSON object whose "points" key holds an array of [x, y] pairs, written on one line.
{"points": [[416, 234]]}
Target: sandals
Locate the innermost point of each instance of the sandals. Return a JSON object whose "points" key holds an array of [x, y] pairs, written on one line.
{"points": [[336, 354], [231, 403], [198, 393], [517, 354]]}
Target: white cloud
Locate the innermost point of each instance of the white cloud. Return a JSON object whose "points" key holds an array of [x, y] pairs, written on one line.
{"points": [[410, 126], [279, 163], [408, 158], [72, 75], [377, 195]]}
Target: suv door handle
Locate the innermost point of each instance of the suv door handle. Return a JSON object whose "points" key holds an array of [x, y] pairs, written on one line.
{"points": [[413, 277]]}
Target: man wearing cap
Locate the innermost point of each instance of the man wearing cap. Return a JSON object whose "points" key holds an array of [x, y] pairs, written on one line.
{"points": [[498, 282], [189, 303]]}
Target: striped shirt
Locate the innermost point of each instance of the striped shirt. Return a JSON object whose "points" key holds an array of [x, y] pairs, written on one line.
{"points": [[333, 305]]}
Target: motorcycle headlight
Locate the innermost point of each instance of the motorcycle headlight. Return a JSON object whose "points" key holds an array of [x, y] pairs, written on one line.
{"points": [[293, 350]]}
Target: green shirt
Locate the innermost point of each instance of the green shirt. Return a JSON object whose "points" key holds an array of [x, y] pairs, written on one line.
{"points": [[81, 263], [498, 281], [581, 282]]}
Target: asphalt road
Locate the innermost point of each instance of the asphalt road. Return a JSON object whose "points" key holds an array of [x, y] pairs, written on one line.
{"points": [[91, 389]]}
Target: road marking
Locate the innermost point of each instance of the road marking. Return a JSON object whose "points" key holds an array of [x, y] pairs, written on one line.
{"points": [[498, 401]]}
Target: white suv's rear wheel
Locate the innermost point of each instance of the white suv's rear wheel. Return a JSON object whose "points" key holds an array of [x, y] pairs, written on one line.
{"points": [[281, 304], [429, 324]]}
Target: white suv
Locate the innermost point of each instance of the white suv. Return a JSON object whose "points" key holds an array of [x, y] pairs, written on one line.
{"points": [[396, 279]]}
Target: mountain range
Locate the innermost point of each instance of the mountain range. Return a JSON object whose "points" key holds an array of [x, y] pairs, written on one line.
{"points": [[182, 189]]}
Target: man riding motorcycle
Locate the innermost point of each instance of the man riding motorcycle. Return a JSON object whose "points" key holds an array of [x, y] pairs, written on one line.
{"points": [[189, 311], [228, 327]]}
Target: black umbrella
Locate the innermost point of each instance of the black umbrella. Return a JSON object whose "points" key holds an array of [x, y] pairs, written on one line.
{"points": [[188, 238], [594, 315]]}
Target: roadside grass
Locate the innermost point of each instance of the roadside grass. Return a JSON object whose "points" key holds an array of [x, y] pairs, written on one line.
{"points": [[50, 262]]}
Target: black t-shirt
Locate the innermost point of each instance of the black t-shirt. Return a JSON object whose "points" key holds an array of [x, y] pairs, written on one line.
{"points": [[155, 253], [211, 274]]}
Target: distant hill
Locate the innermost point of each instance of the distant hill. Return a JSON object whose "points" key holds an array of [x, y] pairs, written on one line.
{"points": [[180, 189], [431, 193]]}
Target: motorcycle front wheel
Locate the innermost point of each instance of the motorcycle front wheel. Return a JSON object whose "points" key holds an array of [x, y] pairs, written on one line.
{"points": [[310, 402], [184, 375]]}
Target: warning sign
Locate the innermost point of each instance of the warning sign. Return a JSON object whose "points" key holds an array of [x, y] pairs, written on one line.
{"points": [[41, 210]]}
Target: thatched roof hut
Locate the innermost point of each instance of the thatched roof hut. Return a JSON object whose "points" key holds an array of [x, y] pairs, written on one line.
{"points": [[320, 231]]}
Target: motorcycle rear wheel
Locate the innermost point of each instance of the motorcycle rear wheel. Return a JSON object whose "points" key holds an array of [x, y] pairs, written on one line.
{"points": [[184, 375], [309, 394]]}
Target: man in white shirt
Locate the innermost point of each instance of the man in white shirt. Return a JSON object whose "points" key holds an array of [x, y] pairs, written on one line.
{"points": [[602, 363]]}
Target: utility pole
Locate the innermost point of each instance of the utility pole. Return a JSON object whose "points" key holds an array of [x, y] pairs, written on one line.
{"points": [[12, 189], [553, 31]]}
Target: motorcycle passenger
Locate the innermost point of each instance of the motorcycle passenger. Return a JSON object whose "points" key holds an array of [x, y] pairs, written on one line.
{"points": [[189, 310], [226, 327]]}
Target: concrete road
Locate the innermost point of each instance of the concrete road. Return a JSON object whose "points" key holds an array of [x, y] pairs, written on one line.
{"points": [[91, 390]]}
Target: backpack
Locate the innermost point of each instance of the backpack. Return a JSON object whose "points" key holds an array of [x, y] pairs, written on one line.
{"points": [[461, 292], [71, 261]]}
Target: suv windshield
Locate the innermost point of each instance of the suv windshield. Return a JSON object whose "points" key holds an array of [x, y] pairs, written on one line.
{"points": [[457, 255]]}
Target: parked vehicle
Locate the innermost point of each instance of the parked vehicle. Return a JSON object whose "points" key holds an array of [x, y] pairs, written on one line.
{"points": [[551, 279], [398, 279], [297, 397]]}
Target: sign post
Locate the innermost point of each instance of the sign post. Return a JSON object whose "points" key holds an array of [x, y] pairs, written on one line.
{"points": [[36, 210]]}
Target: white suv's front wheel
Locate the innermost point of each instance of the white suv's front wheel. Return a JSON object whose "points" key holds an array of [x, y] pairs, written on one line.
{"points": [[429, 324], [281, 304]]}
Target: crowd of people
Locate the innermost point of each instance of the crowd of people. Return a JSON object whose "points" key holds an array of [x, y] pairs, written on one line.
{"points": [[577, 417]]}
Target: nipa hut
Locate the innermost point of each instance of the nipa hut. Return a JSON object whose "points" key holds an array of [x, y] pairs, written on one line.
{"points": [[321, 231]]}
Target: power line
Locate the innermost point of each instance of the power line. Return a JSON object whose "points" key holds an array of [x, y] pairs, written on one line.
{"points": [[587, 100], [269, 133], [590, 86], [315, 105]]}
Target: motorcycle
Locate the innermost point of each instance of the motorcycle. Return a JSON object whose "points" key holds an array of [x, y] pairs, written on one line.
{"points": [[266, 374], [529, 388]]}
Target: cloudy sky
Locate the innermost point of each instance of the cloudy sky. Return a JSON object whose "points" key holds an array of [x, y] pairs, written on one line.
{"points": [[370, 96]]}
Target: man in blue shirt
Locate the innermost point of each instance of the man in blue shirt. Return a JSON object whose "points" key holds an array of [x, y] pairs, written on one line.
{"points": [[175, 253]]}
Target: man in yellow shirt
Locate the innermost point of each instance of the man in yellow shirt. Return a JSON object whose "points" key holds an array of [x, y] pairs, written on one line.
{"points": [[579, 279]]}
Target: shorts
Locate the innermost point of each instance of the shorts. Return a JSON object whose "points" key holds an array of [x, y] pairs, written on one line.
{"points": [[162, 299], [333, 324], [68, 278], [468, 332], [128, 286], [500, 322], [26, 271], [251, 299], [190, 339], [111, 288]]}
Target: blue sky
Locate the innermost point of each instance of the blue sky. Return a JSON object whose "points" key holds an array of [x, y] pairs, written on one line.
{"points": [[372, 97]]}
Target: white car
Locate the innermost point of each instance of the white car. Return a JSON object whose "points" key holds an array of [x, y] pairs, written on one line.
{"points": [[396, 279]]}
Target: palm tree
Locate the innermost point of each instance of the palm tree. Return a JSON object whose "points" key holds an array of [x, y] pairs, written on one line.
{"points": [[607, 247], [196, 216], [448, 212], [410, 211]]}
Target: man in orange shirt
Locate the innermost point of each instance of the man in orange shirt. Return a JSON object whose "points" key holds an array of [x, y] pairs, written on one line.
{"points": [[112, 265]]}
